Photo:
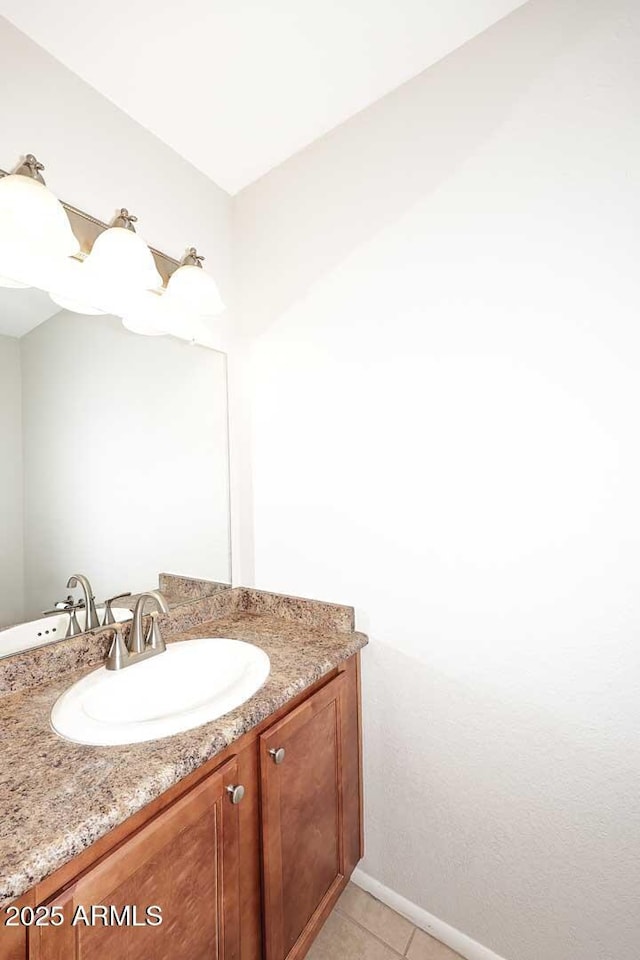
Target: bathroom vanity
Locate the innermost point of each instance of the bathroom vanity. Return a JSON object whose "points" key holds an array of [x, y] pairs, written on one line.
{"points": [[247, 850], [232, 838]]}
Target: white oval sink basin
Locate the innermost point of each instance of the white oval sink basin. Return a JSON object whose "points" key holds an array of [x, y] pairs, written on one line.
{"points": [[192, 683]]}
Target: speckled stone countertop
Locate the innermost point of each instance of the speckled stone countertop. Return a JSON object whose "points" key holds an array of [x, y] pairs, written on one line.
{"points": [[58, 797]]}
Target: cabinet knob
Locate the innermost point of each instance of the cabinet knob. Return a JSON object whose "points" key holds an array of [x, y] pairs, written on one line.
{"points": [[236, 793], [278, 755]]}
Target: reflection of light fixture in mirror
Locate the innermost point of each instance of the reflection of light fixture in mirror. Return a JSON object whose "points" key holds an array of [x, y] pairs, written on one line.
{"points": [[194, 290], [35, 233], [119, 267], [5, 282], [153, 314], [70, 290], [145, 314]]}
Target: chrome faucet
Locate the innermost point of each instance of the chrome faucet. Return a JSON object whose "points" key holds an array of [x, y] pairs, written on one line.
{"points": [[91, 617], [139, 647]]}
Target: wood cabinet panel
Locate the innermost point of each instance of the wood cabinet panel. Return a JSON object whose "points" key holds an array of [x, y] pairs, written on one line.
{"points": [[186, 861], [303, 819], [352, 767], [13, 939], [250, 876]]}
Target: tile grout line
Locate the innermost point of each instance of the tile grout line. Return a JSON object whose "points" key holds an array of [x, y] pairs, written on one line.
{"points": [[375, 935], [411, 939]]}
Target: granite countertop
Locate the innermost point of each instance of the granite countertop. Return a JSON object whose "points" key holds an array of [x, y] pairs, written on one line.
{"points": [[58, 797]]}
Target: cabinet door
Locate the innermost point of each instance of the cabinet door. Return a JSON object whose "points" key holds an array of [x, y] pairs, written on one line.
{"points": [[184, 861], [13, 938], [301, 768]]}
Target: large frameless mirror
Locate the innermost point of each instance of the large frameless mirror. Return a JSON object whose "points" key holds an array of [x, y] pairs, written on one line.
{"points": [[114, 463]]}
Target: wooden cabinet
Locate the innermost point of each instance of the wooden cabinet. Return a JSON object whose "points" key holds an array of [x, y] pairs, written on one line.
{"points": [[253, 880], [303, 826], [13, 939], [184, 862]]}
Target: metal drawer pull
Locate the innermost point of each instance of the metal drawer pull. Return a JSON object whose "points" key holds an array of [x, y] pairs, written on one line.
{"points": [[236, 793], [278, 755]]}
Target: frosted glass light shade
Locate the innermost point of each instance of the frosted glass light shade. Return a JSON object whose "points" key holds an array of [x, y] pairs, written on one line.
{"points": [[122, 257], [195, 291], [137, 323], [119, 268], [34, 231]]}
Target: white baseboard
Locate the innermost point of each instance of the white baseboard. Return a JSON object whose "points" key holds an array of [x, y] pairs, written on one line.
{"points": [[460, 942]]}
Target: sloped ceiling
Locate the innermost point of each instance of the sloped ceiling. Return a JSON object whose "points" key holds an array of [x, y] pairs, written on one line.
{"points": [[237, 86]]}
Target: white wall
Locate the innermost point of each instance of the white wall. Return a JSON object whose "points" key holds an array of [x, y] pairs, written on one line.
{"points": [[125, 459], [11, 538], [444, 303]]}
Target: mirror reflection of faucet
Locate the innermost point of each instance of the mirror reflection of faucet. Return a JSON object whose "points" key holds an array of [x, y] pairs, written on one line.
{"points": [[108, 612], [73, 627], [91, 614]]}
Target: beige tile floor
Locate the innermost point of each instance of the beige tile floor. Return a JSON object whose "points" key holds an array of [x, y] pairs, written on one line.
{"points": [[362, 928]]}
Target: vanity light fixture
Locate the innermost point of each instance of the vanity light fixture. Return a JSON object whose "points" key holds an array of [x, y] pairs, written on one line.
{"points": [[35, 232], [89, 267]]}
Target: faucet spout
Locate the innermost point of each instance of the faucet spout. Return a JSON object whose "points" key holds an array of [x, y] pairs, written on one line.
{"points": [[137, 640]]}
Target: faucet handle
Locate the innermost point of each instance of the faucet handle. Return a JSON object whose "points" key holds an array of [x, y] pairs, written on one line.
{"points": [[60, 606], [154, 640], [118, 653], [108, 612]]}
